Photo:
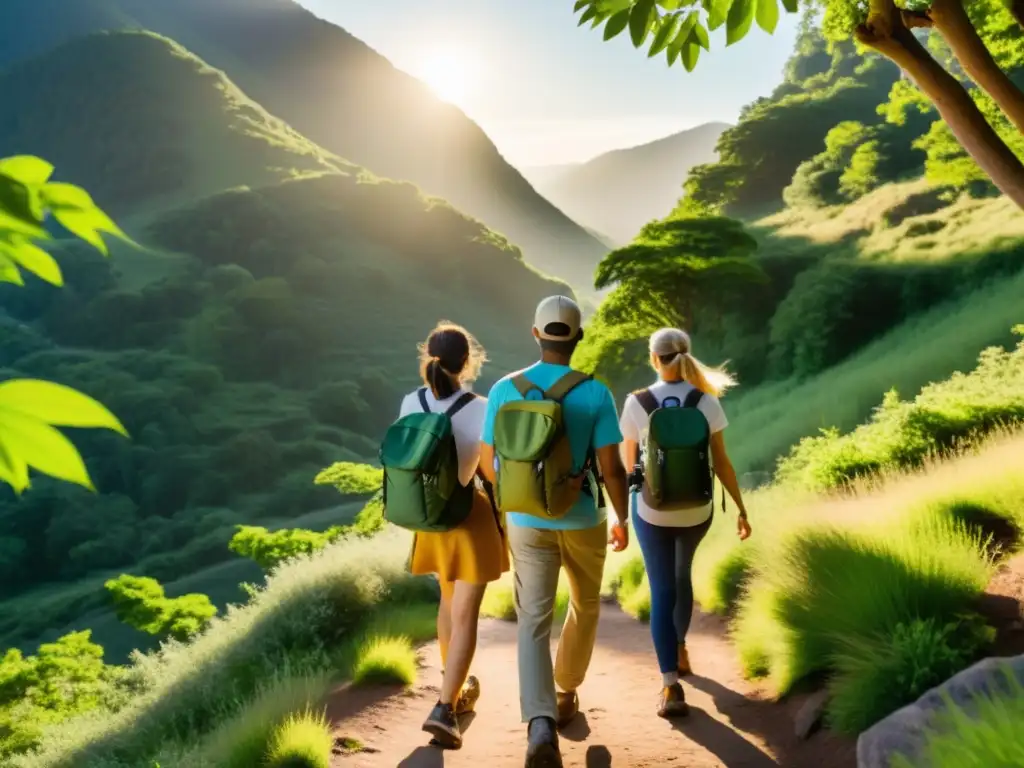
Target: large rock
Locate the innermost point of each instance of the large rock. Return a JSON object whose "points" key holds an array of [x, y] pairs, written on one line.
{"points": [[905, 729]]}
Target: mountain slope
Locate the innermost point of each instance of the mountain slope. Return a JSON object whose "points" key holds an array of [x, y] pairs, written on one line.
{"points": [[618, 192], [190, 134], [343, 95], [267, 331]]}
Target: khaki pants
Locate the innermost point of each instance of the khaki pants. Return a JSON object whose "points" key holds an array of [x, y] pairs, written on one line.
{"points": [[538, 555]]}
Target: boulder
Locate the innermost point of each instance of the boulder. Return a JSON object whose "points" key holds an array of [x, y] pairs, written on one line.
{"points": [[905, 729]]}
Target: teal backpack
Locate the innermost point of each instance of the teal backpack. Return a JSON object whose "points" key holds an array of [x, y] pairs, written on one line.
{"points": [[677, 453], [422, 491]]}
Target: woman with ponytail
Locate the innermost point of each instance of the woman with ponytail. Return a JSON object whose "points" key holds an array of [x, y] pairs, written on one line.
{"points": [[470, 556], [669, 538]]}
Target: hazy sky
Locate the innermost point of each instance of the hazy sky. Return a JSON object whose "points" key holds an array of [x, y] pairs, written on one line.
{"points": [[549, 92]]}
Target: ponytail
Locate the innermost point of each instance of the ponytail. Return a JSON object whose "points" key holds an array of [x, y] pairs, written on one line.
{"points": [[672, 347], [449, 358]]}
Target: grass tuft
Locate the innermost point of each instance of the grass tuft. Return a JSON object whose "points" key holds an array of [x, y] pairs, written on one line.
{"points": [[385, 659], [302, 741]]}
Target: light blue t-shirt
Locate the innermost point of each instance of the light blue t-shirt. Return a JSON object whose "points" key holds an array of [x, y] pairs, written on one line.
{"points": [[591, 422]]}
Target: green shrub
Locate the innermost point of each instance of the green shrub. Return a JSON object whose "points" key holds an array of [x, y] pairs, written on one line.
{"points": [[140, 602], [875, 676], [302, 741], [986, 736], [384, 659], [351, 478], [827, 586], [944, 416]]}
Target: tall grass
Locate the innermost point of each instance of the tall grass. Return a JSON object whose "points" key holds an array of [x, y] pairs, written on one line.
{"points": [[294, 626], [767, 421], [302, 741]]}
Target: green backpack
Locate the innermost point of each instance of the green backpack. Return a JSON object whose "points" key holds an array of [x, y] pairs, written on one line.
{"points": [[422, 491], [534, 459], [677, 453]]}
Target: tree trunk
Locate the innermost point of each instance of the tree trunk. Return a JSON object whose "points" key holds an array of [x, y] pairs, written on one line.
{"points": [[885, 32], [950, 19], [1016, 9]]}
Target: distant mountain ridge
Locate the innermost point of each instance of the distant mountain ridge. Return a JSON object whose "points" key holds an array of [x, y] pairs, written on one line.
{"points": [[616, 193], [341, 94]]}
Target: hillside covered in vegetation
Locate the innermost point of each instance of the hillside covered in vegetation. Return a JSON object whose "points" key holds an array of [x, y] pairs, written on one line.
{"points": [[339, 93], [266, 329]]}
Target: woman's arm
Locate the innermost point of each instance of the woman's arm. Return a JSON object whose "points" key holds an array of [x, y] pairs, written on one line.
{"points": [[727, 475], [630, 454], [486, 466]]}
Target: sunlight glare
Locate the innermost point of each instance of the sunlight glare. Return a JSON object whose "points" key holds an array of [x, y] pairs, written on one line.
{"points": [[449, 75]]}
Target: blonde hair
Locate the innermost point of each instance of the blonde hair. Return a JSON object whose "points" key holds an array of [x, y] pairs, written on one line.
{"points": [[672, 347], [450, 353]]}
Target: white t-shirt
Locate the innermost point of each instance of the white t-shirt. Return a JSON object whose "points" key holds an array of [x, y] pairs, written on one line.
{"points": [[467, 425], [634, 423]]}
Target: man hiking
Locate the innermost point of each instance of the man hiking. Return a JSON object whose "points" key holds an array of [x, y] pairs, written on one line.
{"points": [[547, 432]]}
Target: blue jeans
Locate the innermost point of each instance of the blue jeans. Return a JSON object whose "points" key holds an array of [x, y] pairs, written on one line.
{"points": [[668, 556]]}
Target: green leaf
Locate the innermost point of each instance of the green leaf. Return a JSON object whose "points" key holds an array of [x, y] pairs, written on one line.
{"points": [[640, 20], [587, 15], [33, 258], [737, 23], [669, 27], [767, 15], [670, 5], [13, 468], [791, 6], [20, 226], [689, 54], [616, 24], [718, 11], [581, 4], [42, 447], [682, 35], [9, 272], [701, 36], [27, 169], [19, 201], [56, 404]]}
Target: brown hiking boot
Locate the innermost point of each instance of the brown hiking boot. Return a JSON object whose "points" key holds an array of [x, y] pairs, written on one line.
{"points": [[684, 661], [468, 696], [444, 727], [673, 702], [568, 705]]}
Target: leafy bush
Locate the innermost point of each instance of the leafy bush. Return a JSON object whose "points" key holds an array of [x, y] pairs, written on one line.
{"points": [[140, 603], [903, 434], [302, 741], [875, 676], [350, 478]]}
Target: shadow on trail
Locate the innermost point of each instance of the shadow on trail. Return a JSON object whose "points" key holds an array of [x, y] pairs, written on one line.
{"points": [[578, 730], [424, 757], [598, 756], [722, 741]]}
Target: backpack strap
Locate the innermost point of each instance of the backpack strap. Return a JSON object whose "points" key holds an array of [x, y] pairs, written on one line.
{"points": [[693, 398], [523, 385], [458, 405], [423, 399], [565, 385], [647, 400]]}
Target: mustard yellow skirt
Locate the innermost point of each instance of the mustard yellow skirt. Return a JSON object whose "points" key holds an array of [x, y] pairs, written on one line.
{"points": [[476, 552]]}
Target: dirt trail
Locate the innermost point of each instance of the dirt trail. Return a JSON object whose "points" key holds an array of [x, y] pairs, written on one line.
{"points": [[730, 724]]}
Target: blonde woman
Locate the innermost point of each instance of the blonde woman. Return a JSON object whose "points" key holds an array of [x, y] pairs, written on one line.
{"points": [[466, 558], [669, 538]]}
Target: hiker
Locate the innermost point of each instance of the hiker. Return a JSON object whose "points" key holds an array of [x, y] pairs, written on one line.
{"points": [[674, 504], [547, 431], [468, 550]]}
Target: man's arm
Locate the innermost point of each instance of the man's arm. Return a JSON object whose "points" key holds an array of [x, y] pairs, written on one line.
{"points": [[615, 482]]}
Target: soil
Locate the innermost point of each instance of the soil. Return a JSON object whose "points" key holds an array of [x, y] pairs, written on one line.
{"points": [[731, 723], [1003, 606]]}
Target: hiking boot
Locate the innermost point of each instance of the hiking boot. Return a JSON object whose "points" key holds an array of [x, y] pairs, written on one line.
{"points": [[468, 696], [568, 705], [542, 744], [673, 702], [444, 727], [684, 661]]}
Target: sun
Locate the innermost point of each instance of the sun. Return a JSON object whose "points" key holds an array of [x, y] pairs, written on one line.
{"points": [[449, 75]]}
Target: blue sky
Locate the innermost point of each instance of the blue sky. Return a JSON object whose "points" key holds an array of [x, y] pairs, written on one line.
{"points": [[549, 92]]}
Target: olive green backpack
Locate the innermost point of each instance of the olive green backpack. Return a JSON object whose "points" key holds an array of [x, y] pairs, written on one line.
{"points": [[422, 491], [534, 459], [677, 453]]}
